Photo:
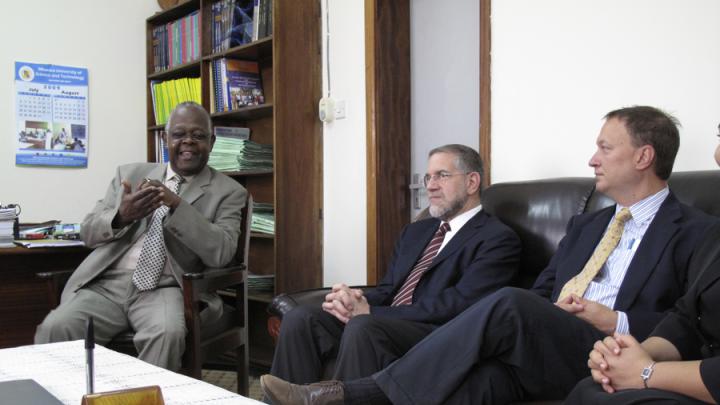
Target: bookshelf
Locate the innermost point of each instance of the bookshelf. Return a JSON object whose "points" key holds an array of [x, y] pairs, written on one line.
{"points": [[290, 69]]}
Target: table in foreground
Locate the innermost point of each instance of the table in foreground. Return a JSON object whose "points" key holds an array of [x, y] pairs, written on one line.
{"points": [[60, 368]]}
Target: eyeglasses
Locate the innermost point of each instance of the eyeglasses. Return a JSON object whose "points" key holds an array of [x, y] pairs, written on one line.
{"points": [[440, 177], [195, 136]]}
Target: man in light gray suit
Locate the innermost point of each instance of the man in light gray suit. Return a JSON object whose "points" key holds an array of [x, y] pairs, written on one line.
{"points": [[156, 222]]}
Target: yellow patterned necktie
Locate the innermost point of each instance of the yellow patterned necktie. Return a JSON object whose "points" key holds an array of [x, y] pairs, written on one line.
{"points": [[578, 284]]}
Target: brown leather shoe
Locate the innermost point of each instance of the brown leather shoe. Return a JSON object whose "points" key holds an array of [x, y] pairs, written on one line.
{"points": [[281, 392]]}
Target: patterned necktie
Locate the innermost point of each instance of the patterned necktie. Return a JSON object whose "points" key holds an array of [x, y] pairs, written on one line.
{"points": [[152, 256], [578, 284], [404, 296]]}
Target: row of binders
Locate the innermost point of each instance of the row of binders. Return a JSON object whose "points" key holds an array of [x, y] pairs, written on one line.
{"points": [[238, 22], [166, 95], [162, 154], [176, 42]]}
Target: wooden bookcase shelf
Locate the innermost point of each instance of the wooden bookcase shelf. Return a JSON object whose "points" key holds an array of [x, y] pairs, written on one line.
{"points": [[290, 68], [258, 50], [247, 113], [190, 69]]}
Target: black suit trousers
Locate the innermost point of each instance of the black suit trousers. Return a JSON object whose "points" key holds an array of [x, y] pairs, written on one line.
{"points": [[311, 340], [509, 345], [587, 392]]}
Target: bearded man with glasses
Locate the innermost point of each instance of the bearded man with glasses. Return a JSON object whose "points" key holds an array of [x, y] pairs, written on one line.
{"points": [[440, 266]]}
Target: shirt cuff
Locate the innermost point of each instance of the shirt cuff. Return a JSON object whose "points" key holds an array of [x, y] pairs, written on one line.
{"points": [[622, 325]]}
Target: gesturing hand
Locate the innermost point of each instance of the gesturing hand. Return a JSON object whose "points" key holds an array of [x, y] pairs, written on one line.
{"points": [[136, 205], [167, 196]]}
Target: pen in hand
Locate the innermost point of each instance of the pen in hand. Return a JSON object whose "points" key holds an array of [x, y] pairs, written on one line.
{"points": [[89, 360]]}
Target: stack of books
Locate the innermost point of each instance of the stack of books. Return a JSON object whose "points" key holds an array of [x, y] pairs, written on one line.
{"points": [[263, 218], [166, 95], [261, 282], [7, 222], [255, 157], [238, 22]]}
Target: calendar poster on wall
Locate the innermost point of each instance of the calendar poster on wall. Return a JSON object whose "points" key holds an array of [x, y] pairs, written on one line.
{"points": [[51, 115]]}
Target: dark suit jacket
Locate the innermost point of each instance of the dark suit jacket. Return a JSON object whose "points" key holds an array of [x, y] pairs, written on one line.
{"points": [[657, 276], [201, 232], [694, 326], [482, 257]]}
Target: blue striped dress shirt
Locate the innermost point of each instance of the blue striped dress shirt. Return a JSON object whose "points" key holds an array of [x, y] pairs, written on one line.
{"points": [[606, 285]]}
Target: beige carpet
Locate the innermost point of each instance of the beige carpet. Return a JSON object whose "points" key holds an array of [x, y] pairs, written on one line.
{"points": [[228, 380]]}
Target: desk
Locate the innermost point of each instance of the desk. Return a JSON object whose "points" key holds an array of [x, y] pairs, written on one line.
{"points": [[60, 368], [23, 300]]}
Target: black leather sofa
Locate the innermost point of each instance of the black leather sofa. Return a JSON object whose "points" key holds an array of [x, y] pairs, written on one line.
{"points": [[539, 211]]}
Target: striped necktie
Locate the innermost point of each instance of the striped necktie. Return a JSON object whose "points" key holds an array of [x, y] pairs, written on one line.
{"points": [[578, 284], [405, 294], [152, 256]]}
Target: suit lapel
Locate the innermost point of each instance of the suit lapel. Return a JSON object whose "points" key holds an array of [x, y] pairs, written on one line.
{"points": [[417, 242], [158, 173], [466, 232], [662, 229], [196, 188]]}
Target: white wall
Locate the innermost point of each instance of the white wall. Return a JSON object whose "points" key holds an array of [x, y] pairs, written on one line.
{"points": [[445, 78], [108, 38], [344, 149], [559, 65]]}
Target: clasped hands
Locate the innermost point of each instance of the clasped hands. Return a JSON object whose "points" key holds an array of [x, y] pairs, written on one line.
{"points": [[596, 314], [345, 302], [617, 361], [147, 197]]}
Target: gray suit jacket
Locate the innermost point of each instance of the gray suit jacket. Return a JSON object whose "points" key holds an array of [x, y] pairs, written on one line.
{"points": [[202, 231]]}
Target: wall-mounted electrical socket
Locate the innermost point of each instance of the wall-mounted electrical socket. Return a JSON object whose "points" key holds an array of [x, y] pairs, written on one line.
{"points": [[339, 109]]}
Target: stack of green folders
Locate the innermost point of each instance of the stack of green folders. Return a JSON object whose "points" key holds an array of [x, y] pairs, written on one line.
{"points": [[255, 157], [232, 155], [263, 218], [261, 282]]}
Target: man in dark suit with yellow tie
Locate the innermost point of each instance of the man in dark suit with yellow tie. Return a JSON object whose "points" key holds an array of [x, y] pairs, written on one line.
{"points": [[617, 269], [156, 222], [440, 267]]}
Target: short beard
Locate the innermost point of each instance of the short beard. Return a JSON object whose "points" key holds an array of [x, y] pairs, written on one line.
{"points": [[444, 213]]}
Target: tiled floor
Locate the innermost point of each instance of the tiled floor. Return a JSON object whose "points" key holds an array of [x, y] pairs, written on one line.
{"points": [[228, 380]]}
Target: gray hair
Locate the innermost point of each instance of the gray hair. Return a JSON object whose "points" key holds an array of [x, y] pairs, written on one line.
{"points": [[466, 159], [190, 105]]}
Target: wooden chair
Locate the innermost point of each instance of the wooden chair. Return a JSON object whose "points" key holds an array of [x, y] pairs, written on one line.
{"points": [[205, 344]]}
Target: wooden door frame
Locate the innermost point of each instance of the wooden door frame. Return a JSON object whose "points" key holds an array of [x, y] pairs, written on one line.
{"points": [[387, 75], [485, 123], [387, 81]]}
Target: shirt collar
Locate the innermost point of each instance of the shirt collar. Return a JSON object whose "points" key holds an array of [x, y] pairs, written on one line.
{"points": [[460, 220], [169, 173], [645, 209]]}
